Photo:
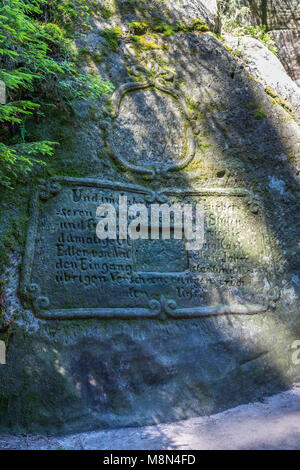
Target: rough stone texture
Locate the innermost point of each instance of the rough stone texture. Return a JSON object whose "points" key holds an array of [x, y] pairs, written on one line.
{"points": [[288, 43], [131, 137], [282, 19], [282, 14], [74, 375], [265, 66], [175, 11], [273, 424], [275, 14]]}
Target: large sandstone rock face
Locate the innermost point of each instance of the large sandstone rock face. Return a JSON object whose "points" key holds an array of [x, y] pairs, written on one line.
{"points": [[266, 67], [175, 11], [135, 332]]}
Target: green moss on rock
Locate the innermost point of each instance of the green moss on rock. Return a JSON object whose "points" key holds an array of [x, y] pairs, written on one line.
{"points": [[259, 113], [112, 36]]}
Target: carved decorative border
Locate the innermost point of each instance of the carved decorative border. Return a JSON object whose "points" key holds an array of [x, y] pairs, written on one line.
{"points": [[164, 81], [156, 309]]}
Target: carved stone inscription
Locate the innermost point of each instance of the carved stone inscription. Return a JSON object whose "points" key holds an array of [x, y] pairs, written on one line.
{"points": [[69, 273]]}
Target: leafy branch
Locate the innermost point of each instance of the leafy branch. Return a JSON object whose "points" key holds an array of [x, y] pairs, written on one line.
{"points": [[38, 67]]}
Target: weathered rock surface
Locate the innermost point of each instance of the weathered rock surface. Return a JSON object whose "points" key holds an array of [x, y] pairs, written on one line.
{"points": [[273, 424], [265, 66], [71, 369], [288, 43], [282, 19], [175, 11]]}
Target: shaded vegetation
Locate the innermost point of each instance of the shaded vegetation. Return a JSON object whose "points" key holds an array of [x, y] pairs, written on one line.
{"points": [[38, 66]]}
